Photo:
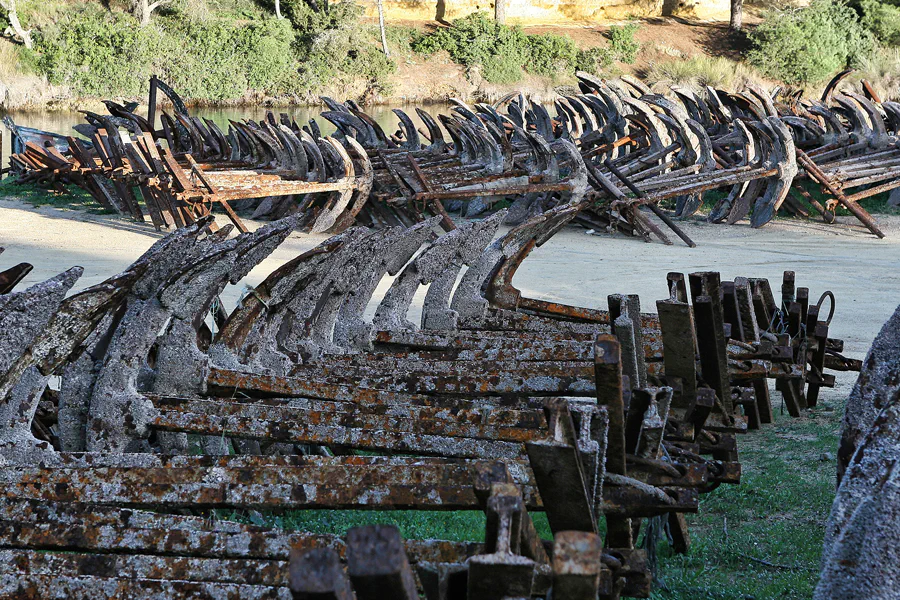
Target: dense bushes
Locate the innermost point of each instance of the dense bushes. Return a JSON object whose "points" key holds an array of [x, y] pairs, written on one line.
{"points": [[808, 45], [882, 19], [622, 44], [501, 52], [549, 55], [98, 53], [341, 56], [309, 23], [104, 53], [225, 50]]}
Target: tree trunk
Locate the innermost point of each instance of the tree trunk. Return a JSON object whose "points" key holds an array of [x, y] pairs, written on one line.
{"points": [[384, 44], [142, 9], [15, 25], [737, 14], [500, 11], [278, 9]]}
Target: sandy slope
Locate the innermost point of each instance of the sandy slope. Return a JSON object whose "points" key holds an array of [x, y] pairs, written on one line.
{"points": [[573, 267]]}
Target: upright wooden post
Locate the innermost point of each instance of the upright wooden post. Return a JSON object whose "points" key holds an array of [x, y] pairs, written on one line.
{"points": [[737, 15], [500, 11], [384, 44], [151, 103]]}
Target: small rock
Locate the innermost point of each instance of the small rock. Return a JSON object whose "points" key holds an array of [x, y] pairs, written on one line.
{"points": [[826, 457], [589, 232], [894, 198]]}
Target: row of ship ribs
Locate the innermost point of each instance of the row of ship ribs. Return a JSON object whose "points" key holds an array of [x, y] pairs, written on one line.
{"points": [[169, 408]]}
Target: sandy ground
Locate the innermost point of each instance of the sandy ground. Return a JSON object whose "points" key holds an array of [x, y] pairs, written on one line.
{"points": [[573, 267]]}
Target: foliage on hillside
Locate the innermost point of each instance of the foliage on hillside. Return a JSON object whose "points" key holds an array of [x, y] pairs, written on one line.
{"points": [[502, 52], [235, 51], [222, 51], [102, 53], [228, 50], [808, 45]]}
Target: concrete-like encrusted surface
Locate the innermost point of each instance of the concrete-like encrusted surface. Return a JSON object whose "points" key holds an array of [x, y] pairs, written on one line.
{"points": [[876, 387]]}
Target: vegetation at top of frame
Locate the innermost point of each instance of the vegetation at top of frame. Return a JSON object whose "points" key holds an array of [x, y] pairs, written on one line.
{"points": [[804, 46], [501, 52], [223, 51], [214, 51], [103, 53], [810, 44], [232, 51]]}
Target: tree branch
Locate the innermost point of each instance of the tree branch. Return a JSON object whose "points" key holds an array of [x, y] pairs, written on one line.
{"points": [[157, 4]]}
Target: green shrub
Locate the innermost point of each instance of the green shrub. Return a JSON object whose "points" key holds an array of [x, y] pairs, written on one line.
{"points": [[551, 55], [476, 39], [340, 56], [399, 37], [807, 45], [310, 23], [106, 54], [622, 43], [219, 61], [594, 60], [502, 52], [882, 19], [98, 53], [335, 48]]}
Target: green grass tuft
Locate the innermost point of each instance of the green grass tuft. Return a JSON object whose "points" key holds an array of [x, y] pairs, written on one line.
{"points": [[74, 198]]}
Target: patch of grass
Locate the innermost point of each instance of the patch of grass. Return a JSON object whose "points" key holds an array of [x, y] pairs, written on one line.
{"points": [[9, 59], [877, 205], [698, 72], [456, 526], [776, 515], [74, 198], [882, 71]]}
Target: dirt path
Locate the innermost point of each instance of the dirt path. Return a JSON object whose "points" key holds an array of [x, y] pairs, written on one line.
{"points": [[573, 267]]}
